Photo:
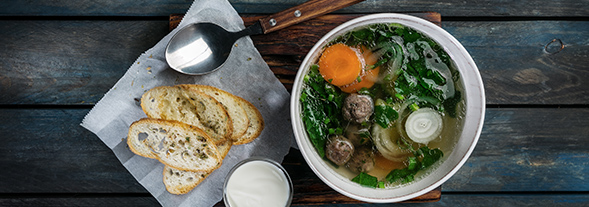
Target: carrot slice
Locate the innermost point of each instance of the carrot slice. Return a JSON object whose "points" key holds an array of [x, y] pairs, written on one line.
{"points": [[368, 76], [340, 65]]}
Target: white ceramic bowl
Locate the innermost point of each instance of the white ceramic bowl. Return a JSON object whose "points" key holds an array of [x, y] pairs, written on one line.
{"points": [[473, 121], [273, 168]]}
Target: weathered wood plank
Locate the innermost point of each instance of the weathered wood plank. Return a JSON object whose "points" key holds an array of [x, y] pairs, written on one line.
{"points": [[69, 62], [76, 62], [113, 200], [528, 149], [536, 8], [454, 200], [45, 151], [48, 151], [445, 7], [529, 62]]}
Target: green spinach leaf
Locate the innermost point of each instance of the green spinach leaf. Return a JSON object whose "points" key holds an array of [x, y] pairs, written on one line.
{"points": [[424, 158], [366, 180], [321, 109], [384, 114]]}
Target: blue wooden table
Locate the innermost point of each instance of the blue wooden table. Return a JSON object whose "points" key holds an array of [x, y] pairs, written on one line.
{"points": [[58, 58]]}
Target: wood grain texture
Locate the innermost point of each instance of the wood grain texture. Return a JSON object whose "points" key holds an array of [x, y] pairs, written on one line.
{"points": [[298, 39], [49, 153], [47, 62], [532, 8], [521, 64], [111, 200], [533, 56], [528, 149], [76, 62], [450, 200], [307, 10]]}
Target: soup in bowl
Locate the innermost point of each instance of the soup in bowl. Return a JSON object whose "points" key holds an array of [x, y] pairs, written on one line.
{"points": [[387, 107]]}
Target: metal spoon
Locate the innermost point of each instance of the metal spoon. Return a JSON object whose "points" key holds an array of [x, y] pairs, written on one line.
{"points": [[201, 48]]}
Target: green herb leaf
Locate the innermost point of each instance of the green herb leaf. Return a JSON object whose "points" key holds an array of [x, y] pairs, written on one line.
{"points": [[380, 184], [404, 175], [384, 114], [366, 180], [428, 158], [412, 163], [321, 109]]}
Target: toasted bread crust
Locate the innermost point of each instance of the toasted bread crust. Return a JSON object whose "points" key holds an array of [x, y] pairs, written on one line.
{"points": [[190, 107], [182, 115], [236, 112], [181, 182], [256, 123], [175, 144]]}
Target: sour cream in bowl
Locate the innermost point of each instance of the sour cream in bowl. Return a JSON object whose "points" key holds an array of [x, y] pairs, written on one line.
{"points": [[257, 182]]}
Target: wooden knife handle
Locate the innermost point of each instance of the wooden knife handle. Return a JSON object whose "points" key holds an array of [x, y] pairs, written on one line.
{"points": [[303, 12]]}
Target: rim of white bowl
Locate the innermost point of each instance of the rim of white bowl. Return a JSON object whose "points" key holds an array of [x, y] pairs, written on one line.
{"points": [[472, 127]]}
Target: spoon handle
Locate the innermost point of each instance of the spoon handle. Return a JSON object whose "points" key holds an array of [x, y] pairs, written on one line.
{"points": [[303, 12]]}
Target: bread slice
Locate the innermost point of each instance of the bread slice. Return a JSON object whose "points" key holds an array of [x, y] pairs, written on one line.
{"points": [[224, 148], [181, 181], [237, 114], [256, 122], [175, 144], [190, 107]]}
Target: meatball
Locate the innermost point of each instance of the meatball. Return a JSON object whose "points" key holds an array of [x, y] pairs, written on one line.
{"points": [[339, 150], [358, 108], [362, 160], [358, 134]]}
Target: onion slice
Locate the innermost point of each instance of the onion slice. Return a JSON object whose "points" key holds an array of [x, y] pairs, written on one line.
{"points": [[423, 125], [385, 140]]}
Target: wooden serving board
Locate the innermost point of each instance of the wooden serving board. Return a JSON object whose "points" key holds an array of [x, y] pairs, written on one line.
{"points": [[284, 50]]}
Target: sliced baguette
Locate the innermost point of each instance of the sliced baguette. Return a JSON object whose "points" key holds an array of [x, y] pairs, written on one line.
{"points": [[236, 112], [224, 148], [175, 144], [181, 181], [256, 123], [188, 106]]}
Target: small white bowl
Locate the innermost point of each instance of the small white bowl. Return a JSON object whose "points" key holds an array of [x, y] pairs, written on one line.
{"points": [[474, 98], [274, 171]]}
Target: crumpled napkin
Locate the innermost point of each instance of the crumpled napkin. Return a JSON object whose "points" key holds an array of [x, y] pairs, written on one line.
{"points": [[245, 74]]}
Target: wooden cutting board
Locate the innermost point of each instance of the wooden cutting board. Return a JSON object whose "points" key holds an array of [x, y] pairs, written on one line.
{"points": [[284, 50]]}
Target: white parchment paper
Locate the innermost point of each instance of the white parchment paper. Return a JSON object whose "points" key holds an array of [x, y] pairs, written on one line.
{"points": [[245, 74]]}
